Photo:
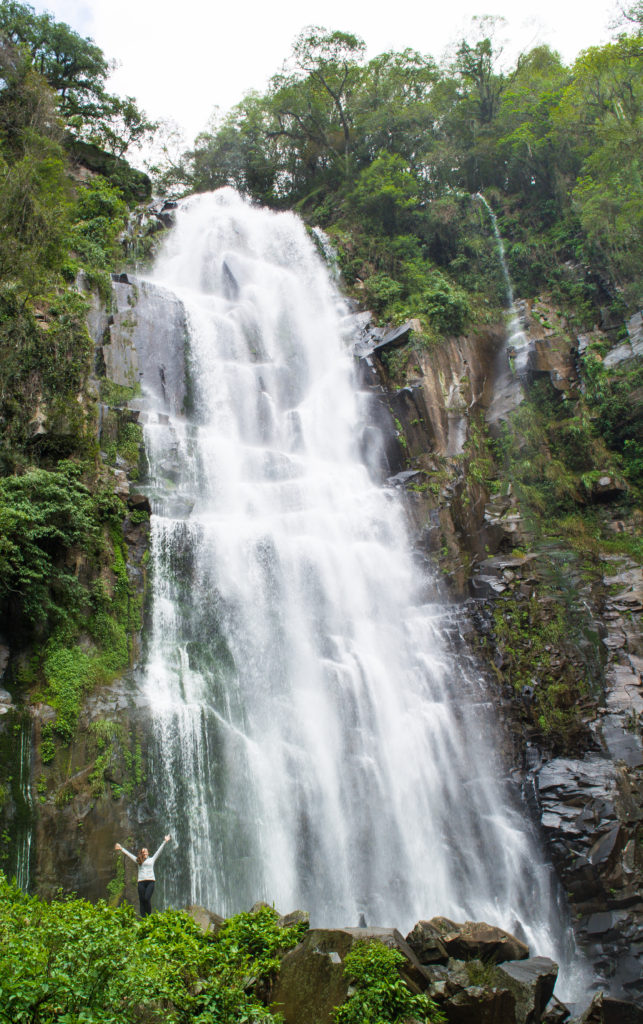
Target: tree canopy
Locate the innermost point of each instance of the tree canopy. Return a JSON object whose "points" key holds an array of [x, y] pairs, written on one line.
{"points": [[77, 70], [398, 142]]}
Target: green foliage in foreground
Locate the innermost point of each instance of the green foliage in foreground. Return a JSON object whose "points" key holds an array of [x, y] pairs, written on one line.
{"points": [[70, 962], [380, 996]]}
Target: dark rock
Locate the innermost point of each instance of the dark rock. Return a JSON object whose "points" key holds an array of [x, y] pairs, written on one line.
{"points": [[311, 982], [230, 283], [604, 848], [403, 478], [164, 212], [600, 923], [604, 1010], [426, 943], [397, 337], [140, 502], [532, 983], [556, 1012], [475, 939], [476, 1005]]}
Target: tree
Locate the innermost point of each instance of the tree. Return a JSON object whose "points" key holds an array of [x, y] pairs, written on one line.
{"points": [[385, 193], [524, 125], [77, 70], [332, 61], [34, 188], [393, 107], [599, 116]]}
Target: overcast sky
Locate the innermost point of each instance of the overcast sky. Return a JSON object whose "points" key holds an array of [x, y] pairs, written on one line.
{"points": [[181, 60]]}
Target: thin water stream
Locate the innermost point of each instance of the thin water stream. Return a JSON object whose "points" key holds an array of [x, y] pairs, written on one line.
{"points": [[321, 743], [513, 360], [24, 832]]}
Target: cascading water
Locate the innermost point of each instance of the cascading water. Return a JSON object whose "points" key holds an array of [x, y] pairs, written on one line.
{"points": [[513, 361], [24, 829], [320, 743]]}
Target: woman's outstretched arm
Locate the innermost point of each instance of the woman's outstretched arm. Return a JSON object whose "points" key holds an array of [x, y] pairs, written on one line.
{"points": [[166, 840], [117, 846]]}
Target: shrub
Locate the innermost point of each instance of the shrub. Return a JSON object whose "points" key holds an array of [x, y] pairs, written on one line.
{"points": [[380, 995], [70, 961]]}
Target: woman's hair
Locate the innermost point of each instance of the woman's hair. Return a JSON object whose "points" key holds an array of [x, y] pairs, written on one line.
{"points": [[140, 857]]}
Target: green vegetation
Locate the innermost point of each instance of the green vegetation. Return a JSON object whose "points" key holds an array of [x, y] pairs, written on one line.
{"points": [[543, 647], [554, 449], [551, 455], [71, 961], [76, 70], [379, 995], [65, 597], [387, 155]]}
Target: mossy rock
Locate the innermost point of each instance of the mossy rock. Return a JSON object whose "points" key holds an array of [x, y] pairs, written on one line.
{"points": [[135, 185]]}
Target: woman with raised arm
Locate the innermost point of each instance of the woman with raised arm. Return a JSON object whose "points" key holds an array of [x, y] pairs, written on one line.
{"points": [[145, 873]]}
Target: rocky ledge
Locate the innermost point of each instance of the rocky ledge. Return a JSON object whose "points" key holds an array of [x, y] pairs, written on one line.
{"points": [[474, 972]]}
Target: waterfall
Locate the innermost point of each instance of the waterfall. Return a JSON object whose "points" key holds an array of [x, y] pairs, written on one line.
{"points": [[518, 346], [321, 743], [24, 830]]}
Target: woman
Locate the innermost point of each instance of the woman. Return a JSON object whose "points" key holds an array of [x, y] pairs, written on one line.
{"points": [[145, 873]]}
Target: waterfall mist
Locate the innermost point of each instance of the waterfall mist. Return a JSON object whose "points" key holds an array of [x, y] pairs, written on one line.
{"points": [[321, 742]]}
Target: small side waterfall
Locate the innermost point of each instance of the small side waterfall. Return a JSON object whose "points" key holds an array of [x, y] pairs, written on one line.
{"points": [[320, 741], [513, 361], [24, 829]]}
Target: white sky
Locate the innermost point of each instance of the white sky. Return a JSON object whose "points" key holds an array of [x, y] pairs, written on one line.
{"points": [[180, 60]]}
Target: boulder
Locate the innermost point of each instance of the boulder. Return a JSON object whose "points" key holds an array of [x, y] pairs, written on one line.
{"points": [[426, 943], [207, 920], [398, 336], [556, 1012], [294, 917], [532, 984], [140, 502], [604, 1010], [478, 939], [476, 1005], [311, 981]]}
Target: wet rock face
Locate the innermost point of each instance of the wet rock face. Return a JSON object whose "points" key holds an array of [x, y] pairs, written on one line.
{"points": [[139, 341], [591, 813], [588, 775], [85, 812]]}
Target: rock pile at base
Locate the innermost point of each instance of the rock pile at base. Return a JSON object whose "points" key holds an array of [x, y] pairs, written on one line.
{"points": [[474, 972]]}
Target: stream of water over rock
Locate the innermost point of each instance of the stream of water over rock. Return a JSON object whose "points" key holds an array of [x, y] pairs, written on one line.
{"points": [[321, 742]]}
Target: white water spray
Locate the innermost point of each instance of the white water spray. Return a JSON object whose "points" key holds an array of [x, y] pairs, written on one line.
{"points": [[321, 744]]}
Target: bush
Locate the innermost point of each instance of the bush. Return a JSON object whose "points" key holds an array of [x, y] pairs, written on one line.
{"points": [[72, 962], [445, 304], [380, 995], [42, 514]]}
